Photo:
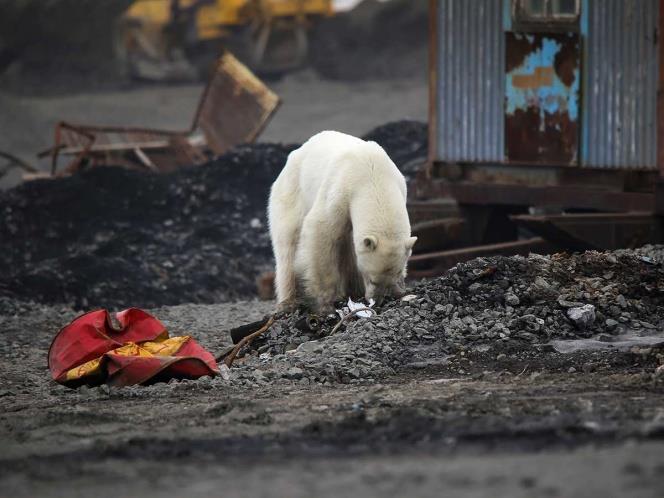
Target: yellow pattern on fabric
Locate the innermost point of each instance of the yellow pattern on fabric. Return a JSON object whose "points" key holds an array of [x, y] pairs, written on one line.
{"points": [[163, 346]]}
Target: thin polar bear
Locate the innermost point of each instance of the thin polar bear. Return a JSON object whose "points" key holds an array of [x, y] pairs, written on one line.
{"points": [[338, 223]]}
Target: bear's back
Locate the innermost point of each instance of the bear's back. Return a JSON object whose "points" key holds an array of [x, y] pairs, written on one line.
{"points": [[337, 161]]}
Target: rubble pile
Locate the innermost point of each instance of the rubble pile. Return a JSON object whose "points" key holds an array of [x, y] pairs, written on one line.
{"points": [[654, 252], [111, 237], [510, 302]]}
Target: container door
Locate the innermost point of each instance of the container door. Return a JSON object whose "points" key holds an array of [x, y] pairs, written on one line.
{"points": [[542, 98]]}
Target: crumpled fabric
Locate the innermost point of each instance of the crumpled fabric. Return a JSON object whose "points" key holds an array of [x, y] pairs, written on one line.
{"points": [[91, 351]]}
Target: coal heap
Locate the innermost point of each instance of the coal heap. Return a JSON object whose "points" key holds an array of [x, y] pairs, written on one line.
{"points": [[111, 237], [116, 237]]}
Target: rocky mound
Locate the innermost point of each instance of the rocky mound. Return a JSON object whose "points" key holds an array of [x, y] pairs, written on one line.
{"points": [[497, 303]]}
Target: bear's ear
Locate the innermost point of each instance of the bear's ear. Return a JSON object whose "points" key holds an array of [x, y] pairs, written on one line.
{"points": [[410, 242], [370, 242]]}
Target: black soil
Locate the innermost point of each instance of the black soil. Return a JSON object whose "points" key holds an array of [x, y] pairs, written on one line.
{"points": [[115, 237]]}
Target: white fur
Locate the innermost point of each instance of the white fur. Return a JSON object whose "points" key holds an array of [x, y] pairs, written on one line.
{"points": [[338, 221]]}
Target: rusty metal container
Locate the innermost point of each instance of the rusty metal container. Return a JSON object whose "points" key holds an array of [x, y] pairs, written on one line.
{"points": [[574, 87], [553, 104]]}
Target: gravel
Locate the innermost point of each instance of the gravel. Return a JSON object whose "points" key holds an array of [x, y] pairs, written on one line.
{"points": [[511, 302], [469, 310]]}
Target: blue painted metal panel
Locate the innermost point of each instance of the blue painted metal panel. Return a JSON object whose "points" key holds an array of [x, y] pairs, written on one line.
{"points": [[470, 81], [549, 98], [619, 111], [542, 97]]}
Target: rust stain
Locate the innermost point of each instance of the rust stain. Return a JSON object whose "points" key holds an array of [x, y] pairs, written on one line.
{"points": [[521, 46], [541, 114], [566, 60], [543, 76], [528, 139]]}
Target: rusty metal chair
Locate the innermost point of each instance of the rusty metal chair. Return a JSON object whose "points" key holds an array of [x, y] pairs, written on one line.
{"points": [[233, 109]]}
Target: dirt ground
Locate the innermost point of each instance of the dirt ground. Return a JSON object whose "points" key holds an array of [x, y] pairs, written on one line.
{"points": [[527, 425], [429, 401]]}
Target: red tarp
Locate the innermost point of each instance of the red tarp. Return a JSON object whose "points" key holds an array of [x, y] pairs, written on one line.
{"points": [[91, 351]]}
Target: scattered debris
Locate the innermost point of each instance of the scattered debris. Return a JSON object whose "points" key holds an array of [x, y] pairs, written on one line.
{"points": [[239, 333], [10, 161], [622, 342], [358, 309], [234, 108], [246, 341], [91, 351]]}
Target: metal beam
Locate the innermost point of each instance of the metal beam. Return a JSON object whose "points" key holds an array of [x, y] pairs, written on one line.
{"points": [[545, 196], [599, 231], [434, 264]]}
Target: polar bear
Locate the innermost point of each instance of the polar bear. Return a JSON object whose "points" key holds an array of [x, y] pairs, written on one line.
{"points": [[338, 223]]}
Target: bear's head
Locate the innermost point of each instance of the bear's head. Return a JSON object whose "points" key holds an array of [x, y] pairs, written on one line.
{"points": [[382, 263]]}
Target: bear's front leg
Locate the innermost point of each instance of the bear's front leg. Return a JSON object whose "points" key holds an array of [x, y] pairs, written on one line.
{"points": [[318, 257]]}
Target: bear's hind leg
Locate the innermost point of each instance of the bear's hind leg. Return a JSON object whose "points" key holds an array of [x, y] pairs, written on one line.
{"points": [[285, 248], [285, 222], [318, 257]]}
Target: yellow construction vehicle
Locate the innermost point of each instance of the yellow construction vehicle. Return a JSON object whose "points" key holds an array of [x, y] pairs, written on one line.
{"points": [[162, 39]]}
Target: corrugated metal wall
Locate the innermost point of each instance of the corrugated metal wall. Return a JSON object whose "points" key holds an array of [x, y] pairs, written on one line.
{"points": [[619, 111], [471, 82]]}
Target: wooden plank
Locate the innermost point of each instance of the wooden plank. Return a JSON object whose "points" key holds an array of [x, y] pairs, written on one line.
{"points": [[551, 196]]}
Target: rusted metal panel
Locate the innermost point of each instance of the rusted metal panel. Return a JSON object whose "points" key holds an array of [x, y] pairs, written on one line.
{"points": [[581, 197], [419, 211], [542, 97], [468, 98], [235, 107], [108, 145], [620, 83]]}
